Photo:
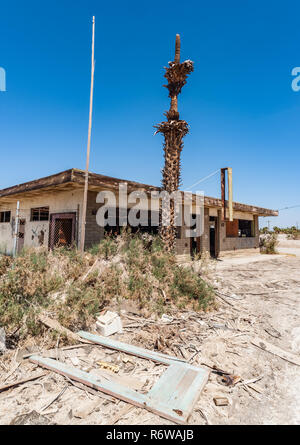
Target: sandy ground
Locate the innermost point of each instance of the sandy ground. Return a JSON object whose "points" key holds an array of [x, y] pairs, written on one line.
{"points": [[288, 246], [259, 297]]}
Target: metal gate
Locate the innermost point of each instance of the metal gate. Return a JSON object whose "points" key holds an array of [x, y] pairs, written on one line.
{"points": [[62, 229], [21, 234]]}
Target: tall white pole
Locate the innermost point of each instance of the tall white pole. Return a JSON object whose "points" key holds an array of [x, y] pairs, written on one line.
{"points": [[85, 192], [16, 230]]}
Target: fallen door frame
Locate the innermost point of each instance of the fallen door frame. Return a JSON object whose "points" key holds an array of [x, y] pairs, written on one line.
{"points": [[173, 396]]}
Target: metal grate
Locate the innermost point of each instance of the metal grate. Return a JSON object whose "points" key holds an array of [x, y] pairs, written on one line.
{"points": [[62, 229], [63, 232]]}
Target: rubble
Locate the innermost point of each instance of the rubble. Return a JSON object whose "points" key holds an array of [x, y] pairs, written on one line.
{"points": [[220, 341]]}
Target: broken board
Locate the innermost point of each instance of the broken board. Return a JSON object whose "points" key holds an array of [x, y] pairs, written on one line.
{"points": [[129, 349], [173, 396]]}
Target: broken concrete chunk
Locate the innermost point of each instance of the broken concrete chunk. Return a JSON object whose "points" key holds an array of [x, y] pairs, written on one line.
{"points": [[109, 324]]}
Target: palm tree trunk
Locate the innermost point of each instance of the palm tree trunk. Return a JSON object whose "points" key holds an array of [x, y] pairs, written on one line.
{"points": [[173, 130]]}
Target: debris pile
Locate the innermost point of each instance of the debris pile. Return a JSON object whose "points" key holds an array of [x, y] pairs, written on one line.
{"points": [[244, 346], [74, 288]]}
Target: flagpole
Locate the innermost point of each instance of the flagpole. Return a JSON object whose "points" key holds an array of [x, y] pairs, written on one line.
{"points": [[86, 180]]}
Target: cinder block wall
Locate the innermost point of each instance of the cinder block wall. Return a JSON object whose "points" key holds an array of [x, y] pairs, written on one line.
{"points": [[93, 232], [183, 244], [239, 243]]}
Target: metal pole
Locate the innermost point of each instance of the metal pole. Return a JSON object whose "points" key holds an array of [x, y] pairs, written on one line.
{"points": [[223, 193], [85, 193], [16, 230], [230, 199]]}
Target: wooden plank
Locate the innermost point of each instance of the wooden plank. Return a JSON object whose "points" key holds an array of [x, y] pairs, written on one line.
{"points": [[20, 382], [268, 347], [111, 388], [130, 349], [54, 324], [101, 384]]}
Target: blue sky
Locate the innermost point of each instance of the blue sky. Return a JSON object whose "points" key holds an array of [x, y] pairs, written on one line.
{"points": [[238, 102]]}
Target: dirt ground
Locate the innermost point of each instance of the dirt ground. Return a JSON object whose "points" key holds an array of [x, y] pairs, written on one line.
{"points": [[259, 296]]}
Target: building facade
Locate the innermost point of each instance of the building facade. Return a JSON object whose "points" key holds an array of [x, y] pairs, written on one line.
{"points": [[50, 215]]}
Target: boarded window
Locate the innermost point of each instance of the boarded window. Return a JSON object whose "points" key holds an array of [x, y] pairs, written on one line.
{"points": [[5, 217], [39, 214], [232, 228], [239, 228]]}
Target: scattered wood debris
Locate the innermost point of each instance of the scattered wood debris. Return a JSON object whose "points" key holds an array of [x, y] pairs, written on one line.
{"points": [[221, 401], [173, 396], [268, 347], [259, 390], [54, 324], [20, 382]]}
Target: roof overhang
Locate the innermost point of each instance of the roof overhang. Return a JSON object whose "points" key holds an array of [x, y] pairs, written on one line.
{"points": [[73, 179]]}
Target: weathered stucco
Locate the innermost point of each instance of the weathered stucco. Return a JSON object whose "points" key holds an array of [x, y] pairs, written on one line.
{"points": [[63, 193], [59, 202]]}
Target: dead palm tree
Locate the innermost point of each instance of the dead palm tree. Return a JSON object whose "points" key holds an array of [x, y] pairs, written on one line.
{"points": [[173, 130]]}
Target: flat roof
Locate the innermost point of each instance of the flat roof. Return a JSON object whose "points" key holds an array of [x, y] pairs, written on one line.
{"points": [[74, 178]]}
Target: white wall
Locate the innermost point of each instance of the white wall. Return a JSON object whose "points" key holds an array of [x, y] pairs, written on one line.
{"points": [[58, 202]]}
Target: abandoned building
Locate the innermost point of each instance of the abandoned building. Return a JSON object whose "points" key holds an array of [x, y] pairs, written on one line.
{"points": [[50, 215]]}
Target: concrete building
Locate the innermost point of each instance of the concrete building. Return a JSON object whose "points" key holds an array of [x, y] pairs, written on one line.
{"points": [[50, 214]]}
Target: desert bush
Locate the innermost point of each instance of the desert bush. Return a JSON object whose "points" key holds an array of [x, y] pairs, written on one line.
{"points": [[268, 243], [74, 287]]}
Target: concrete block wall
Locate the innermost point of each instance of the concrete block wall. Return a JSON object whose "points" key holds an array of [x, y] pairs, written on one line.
{"points": [[93, 232], [232, 244]]}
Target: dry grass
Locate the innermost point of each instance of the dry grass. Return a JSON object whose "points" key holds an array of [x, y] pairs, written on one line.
{"points": [[74, 288]]}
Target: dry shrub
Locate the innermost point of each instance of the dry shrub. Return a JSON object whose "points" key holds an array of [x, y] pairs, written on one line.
{"points": [[74, 287], [268, 243]]}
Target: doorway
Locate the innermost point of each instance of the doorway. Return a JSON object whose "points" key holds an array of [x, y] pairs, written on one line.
{"points": [[62, 229], [213, 236]]}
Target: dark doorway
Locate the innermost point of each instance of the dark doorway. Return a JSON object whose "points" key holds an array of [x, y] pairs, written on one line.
{"points": [[62, 230], [212, 236], [194, 246], [195, 240]]}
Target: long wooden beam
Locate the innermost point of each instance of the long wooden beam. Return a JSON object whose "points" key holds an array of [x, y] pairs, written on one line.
{"points": [[130, 349]]}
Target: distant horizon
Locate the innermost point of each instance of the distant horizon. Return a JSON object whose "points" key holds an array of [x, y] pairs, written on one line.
{"points": [[238, 102]]}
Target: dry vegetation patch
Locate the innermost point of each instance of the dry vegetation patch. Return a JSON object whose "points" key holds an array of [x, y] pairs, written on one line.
{"points": [[74, 288]]}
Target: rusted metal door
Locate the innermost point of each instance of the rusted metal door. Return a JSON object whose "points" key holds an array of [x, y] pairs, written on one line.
{"points": [[21, 234], [62, 229]]}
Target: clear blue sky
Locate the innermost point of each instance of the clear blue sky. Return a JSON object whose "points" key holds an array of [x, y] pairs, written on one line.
{"points": [[239, 102]]}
